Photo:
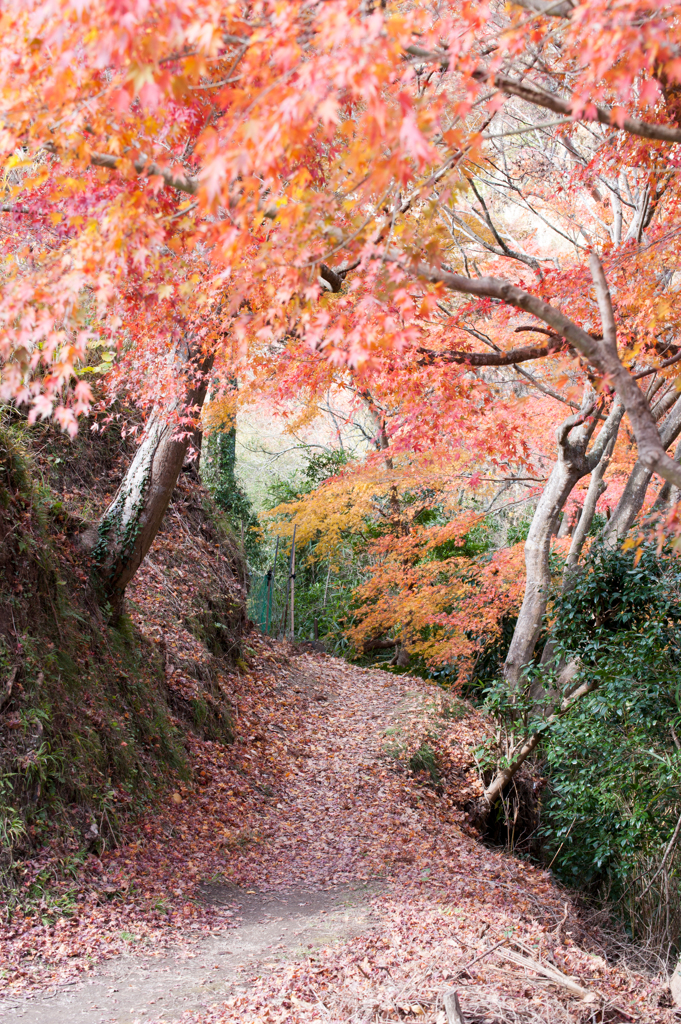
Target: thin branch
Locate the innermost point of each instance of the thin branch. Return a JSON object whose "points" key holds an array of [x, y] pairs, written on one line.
{"points": [[529, 128], [605, 115], [667, 362], [669, 849]]}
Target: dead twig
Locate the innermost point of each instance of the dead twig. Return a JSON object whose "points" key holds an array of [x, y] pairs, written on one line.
{"points": [[481, 956]]}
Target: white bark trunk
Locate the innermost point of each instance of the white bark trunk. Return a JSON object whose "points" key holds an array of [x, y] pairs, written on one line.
{"points": [[572, 464], [128, 527], [570, 574], [596, 487]]}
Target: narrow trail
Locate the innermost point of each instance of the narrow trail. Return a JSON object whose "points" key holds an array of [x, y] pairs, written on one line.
{"points": [[354, 890]]}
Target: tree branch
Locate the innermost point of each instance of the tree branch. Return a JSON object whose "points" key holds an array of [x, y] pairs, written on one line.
{"points": [[143, 166], [550, 8], [516, 355], [605, 115], [540, 98], [523, 751], [603, 357]]}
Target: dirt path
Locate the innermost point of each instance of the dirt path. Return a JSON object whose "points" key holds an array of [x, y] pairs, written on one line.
{"points": [[356, 893], [270, 928]]}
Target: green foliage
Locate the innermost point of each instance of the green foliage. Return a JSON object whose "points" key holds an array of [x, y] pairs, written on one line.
{"points": [[489, 662], [597, 523], [425, 760], [319, 467], [478, 541], [219, 474], [323, 587], [323, 465], [518, 530], [613, 765]]}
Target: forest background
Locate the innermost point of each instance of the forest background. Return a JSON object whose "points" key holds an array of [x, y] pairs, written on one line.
{"points": [[385, 213]]}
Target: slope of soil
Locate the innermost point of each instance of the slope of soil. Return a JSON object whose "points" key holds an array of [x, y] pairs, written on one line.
{"points": [[94, 719], [316, 793]]}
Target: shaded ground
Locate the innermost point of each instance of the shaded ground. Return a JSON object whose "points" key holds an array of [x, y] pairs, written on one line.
{"points": [[316, 794]]}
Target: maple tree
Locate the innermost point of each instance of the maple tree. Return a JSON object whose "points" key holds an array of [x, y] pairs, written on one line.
{"points": [[281, 190]]}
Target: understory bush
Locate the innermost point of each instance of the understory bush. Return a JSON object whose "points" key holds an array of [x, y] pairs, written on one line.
{"points": [[613, 763]]}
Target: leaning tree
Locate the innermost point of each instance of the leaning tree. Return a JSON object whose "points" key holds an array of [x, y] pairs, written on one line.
{"points": [[189, 184]]}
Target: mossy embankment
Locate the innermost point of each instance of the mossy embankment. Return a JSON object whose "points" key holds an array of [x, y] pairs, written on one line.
{"points": [[94, 719]]}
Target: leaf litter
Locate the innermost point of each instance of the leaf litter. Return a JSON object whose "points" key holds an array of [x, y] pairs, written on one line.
{"points": [[316, 792]]}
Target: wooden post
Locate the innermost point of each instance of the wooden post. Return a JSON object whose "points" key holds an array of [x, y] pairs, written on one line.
{"points": [[284, 618], [293, 581]]}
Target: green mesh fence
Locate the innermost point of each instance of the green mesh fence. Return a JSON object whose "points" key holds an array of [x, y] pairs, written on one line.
{"points": [[267, 603]]}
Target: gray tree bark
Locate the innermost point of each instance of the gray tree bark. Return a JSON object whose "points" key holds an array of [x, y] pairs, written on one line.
{"points": [[633, 495], [668, 495], [128, 527], [565, 671], [573, 462]]}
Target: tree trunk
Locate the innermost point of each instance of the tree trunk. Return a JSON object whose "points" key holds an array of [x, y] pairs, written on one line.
{"points": [[563, 478], [596, 487], [128, 527], [570, 572], [667, 495], [633, 495], [572, 464]]}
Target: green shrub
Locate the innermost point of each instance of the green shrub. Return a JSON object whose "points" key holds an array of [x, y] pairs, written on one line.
{"points": [[613, 763]]}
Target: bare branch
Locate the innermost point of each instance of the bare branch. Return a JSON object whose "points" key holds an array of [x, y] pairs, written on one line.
{"points": [[523, 751], [605, 115], [604, 302], [550, 8]]}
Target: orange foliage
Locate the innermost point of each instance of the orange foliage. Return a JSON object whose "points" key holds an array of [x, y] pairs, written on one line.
{"points": [[264, 179], [444, 610]]}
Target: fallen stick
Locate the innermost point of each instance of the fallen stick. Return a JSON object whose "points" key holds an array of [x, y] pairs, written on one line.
{"points": [[551, 973], [480, 957]]}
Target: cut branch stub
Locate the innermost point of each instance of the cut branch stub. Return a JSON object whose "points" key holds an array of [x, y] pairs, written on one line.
{"points": [[453, 1007]]}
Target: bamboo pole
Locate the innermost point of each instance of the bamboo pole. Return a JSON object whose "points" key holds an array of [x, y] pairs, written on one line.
{"points": [[270, 589], [293, 582]]}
